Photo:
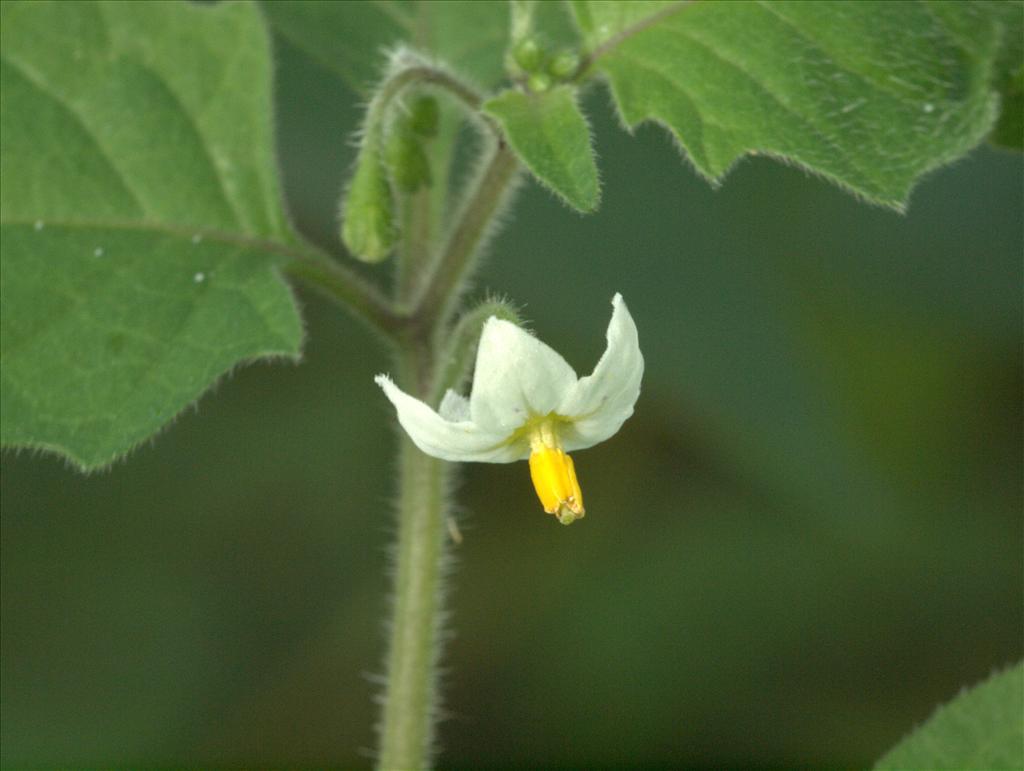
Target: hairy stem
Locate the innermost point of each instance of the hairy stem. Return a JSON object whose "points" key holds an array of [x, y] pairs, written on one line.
{"points": [[410, 699], [347, 289], [421, 73], [451, 270], [417, 218]]}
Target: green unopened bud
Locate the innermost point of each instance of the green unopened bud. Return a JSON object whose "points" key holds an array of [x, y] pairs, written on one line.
{"points": [[539, 82], [367, 227], [564, 65], [528, 54], [424, 116], [407, 160]]}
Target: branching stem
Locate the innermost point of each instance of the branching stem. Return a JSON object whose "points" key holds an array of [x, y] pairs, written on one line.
{"points": [[351, 292], [410, 697], [415, 321], [449, 273], [394, 318]]}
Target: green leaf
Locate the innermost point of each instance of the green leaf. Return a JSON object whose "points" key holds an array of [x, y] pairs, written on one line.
{"points": [[139, 202], [550, 134], [348, 37], [870, 95], [1009, 131], [981, 729], [345, 38]]}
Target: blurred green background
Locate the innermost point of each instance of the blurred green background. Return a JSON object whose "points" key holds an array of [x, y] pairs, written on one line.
{"points": [[808, 535]]}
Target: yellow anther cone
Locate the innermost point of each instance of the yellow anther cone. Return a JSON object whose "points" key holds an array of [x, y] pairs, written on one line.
{"points": [[554, 479]]}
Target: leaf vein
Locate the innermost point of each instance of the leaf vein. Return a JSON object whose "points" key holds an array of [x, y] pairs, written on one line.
{"points": [[40, 84], [226, 198]]}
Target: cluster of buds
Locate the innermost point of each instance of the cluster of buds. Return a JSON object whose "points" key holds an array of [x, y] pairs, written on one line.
{"points": [[531, 63], [539, 68], [391, 156]]}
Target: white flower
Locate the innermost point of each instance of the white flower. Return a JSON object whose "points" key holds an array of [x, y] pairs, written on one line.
{"points": [[527, 402]]}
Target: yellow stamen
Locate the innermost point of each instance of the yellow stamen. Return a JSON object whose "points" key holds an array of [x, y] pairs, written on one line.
{"points": [[554, 478]]}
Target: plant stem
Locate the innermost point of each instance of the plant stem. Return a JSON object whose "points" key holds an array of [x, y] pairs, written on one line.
{"points": [[410, 700], [426, 293], [414, 249], [450, 271], [347, 289], [421, 73], [409, 711]]}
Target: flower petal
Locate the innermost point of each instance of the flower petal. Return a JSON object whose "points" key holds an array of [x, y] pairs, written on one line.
{"points": [[454, 407], [600, 402], [456, 440], [517, 377]]}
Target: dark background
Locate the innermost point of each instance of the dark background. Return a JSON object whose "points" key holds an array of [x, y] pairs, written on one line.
{"points": [[807, 537]]}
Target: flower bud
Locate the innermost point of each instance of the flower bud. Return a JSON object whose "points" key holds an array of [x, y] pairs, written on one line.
{"points": [[406, 160], [564, 65], [424, 116], [528, 54], [367, 227]]}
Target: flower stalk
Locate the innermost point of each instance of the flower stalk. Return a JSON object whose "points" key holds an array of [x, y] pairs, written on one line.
{"points": [[451, 271], [457, 356], [410, 703]]}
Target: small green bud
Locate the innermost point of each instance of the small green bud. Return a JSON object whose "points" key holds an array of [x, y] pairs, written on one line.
{"points": [[367, 227], [539, 82], [564, 64], [528, 54], [407, 160], [424, 116]]}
